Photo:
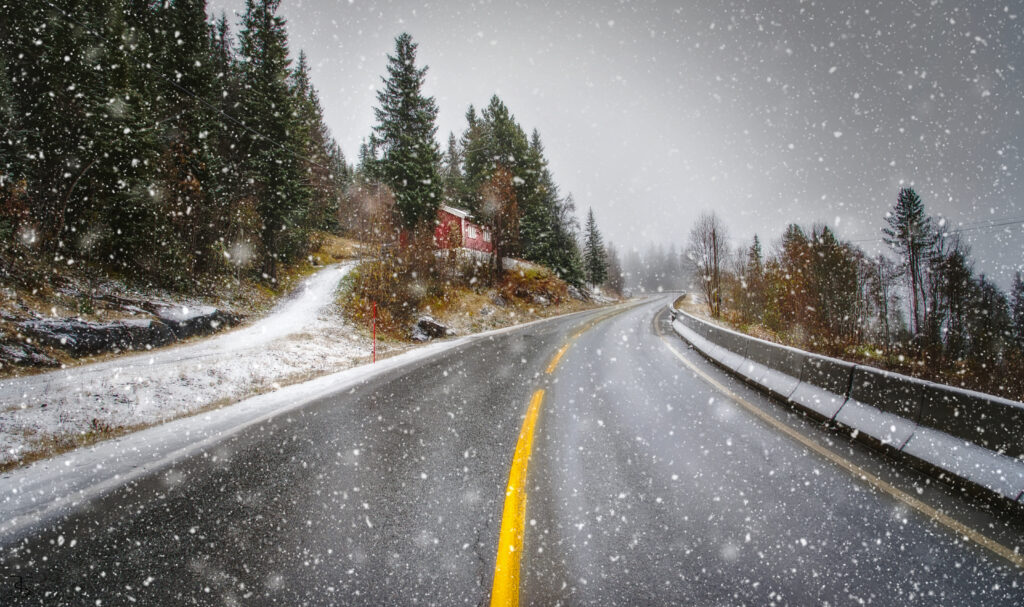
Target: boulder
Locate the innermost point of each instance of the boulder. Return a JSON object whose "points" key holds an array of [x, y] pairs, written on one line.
{"points": [[427, 328], [577, 294], [82, 338]]}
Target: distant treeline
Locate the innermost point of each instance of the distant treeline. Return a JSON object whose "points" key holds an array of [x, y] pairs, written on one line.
{"points": [[923, 311], [142, 136], [655, 269]]}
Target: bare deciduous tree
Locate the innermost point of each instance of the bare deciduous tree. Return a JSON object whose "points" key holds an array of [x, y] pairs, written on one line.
{"points": [[707, 253]]}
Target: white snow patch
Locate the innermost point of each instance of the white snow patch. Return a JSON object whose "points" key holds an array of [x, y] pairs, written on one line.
{"points": [[304, 335]]}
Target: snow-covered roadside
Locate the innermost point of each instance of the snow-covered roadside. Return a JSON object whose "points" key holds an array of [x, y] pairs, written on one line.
{"points": [[302, 337]]}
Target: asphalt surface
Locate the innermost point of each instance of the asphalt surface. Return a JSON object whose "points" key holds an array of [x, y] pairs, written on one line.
{"points": [[646, 485]]}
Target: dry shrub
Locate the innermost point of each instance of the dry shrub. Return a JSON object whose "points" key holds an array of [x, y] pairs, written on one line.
{"points": [[533, 281], [398, 280]]}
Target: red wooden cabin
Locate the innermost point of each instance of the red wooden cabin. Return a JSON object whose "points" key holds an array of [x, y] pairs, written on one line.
{"points": [[456, 230]]}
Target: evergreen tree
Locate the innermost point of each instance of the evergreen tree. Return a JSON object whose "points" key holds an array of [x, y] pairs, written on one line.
{"points": [[616, 281], [12, 155], [190, 163], [794, 301], [910, 234], [751, 297], [1017, 312], [594, 260], [83, 120], [274, 176], [539, 208], [755, 257], [494, 142], [833, 286], [324, 163], [404, 134], [454, 182], [568, 263], [958, 288], [367, 163], [989, 321]]}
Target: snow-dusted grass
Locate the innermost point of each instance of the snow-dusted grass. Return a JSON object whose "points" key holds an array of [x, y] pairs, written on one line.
{"points": [[302, 337]]}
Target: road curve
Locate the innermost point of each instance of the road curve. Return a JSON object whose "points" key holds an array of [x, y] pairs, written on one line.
{"points": [[646, 485]]}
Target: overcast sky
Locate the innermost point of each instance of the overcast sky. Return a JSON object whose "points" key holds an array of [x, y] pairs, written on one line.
{"points": [[766, 112]]}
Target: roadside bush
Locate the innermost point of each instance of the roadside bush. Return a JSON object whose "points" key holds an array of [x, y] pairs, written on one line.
{"points": [[398, 280], [525, 283]]}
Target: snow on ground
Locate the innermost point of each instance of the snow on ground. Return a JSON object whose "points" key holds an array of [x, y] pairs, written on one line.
{"points": [[303, 336]]}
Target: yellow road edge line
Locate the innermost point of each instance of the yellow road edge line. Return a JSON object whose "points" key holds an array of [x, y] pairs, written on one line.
{"points": [[937, 516], [505, 590]]}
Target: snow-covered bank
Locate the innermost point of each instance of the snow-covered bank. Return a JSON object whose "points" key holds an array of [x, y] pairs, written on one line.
{"points": [[302, 337]]}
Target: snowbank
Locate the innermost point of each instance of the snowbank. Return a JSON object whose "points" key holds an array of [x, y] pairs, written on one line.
{"points": [[303, 337]]}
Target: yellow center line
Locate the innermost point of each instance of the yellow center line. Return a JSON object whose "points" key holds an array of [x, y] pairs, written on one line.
{"points": [[963, 530], [505, 590], [558, 357]]}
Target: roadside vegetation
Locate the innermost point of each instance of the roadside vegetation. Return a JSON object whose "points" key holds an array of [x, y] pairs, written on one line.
{"points": [[923, 311]]}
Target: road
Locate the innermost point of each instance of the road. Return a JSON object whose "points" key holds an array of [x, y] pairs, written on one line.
{"points": [[646, 484]]}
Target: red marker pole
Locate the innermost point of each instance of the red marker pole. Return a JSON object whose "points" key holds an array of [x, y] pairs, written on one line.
{"points": [[374, 331]]}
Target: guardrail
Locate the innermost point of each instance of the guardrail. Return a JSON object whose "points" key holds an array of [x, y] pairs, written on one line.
{"points": [[970, 436]]}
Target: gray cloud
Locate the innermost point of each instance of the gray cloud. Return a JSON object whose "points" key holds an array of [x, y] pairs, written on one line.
{"points": [[766, 112]]}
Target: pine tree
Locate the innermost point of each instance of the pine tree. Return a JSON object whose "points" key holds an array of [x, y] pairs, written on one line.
{"points": [[451, 171], [539, 208], [568, 263], [323, 165], [910, 234], [494, 143], [751, 300], [957, 289], [190, 164], [1017, 312], [12, 135], [616, 281], [404, 134], [989, 321], [274, 174], [594, 261], [83, 118]]}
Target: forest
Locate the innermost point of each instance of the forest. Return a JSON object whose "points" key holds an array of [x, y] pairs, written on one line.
{"points": [[149, 140], [922, 310]]}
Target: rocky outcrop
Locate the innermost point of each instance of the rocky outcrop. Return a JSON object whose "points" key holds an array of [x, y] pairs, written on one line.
{"points": [[186, 321], [24, 355]]}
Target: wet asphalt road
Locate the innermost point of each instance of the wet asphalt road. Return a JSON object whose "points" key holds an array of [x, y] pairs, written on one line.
{"points": [[646, 486]]}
